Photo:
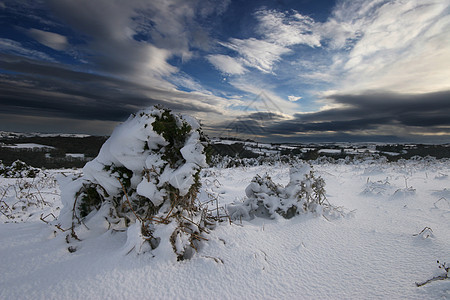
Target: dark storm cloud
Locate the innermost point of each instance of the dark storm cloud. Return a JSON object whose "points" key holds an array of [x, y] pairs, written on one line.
{"points": [[358, 113], [137, 37], [409, 109], [49, 89], [265, 116], [252, 124]]}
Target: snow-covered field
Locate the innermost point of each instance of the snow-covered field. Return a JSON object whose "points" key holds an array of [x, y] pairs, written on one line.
{"points": [[29, 146], [377, 248]]}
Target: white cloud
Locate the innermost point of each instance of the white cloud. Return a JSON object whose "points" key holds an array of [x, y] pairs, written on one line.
{"points": [[182, 79], [404, 48], [294, 98], [256, 53], [49, 39], [10, 46], [279, 31], [287, 29], [398, 46], [226, 64], [347, 22]]}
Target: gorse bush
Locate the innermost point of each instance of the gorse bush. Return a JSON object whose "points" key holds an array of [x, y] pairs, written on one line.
{"points": [[147, 175]]}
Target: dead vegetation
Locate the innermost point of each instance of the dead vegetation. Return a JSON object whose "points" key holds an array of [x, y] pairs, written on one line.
{"points": [[444, 276], [19, 200]]}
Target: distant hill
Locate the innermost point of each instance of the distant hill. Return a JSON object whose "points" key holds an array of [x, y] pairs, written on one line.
{"points": [[74, 150], [49, 150]]}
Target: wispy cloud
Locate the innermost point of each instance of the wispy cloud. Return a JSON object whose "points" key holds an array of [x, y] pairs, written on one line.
{"points": [[278, 31], [255, 53], [388, 45], [377, 115], [49, 39], [403, 49], [226, 64], [287, 29], [13, 47], [294, 98]]}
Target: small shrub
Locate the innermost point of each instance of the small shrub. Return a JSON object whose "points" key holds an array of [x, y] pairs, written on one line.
{"points": [[18, 169], [304, 193]]}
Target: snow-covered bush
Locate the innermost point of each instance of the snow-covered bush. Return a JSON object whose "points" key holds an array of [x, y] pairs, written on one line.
{"points": [[18, 169], [146, 175], [304, 193]]}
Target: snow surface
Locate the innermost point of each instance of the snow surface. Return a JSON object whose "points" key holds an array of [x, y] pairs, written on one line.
{"points": [[8, 134], [372, 252], [28, 146], [75, 155]]}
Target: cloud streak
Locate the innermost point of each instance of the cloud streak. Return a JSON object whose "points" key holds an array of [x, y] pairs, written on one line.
{"points": [[49, 89], [258, 54], [13, 47], [227, 64], [49, 39], [379, 113]]}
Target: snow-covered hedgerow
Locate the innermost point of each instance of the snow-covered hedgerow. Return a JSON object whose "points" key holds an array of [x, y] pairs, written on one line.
{"points": [[304, 193], [18, 169], [145, 176]]}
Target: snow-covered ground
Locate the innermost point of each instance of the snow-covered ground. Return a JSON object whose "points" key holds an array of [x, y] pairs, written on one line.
{"points": [[8, 134], [29, 146], [375, 250], [75, 155]]}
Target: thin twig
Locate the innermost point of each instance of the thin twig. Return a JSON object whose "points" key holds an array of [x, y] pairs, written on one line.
{"points": [[128, 200], [43, 218], [423, 231], [441, 277]]}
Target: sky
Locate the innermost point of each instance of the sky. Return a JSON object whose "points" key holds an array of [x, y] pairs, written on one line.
{"points": [[276, 71]]}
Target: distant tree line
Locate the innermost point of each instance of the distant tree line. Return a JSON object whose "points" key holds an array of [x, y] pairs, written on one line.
{"points": [[90, 146], [406, 152], [52, 158]]}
